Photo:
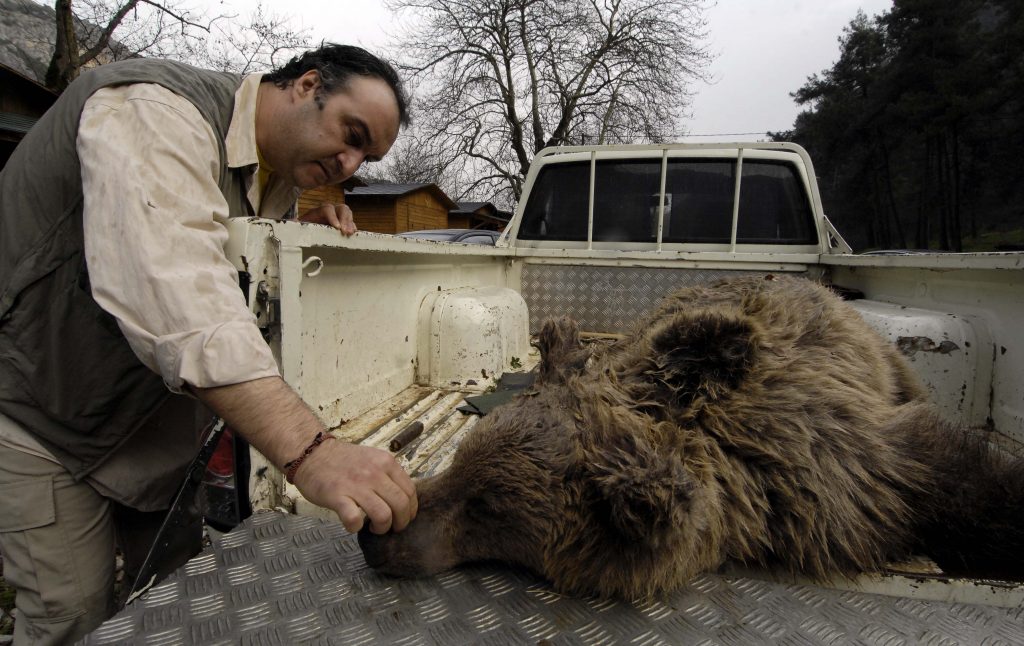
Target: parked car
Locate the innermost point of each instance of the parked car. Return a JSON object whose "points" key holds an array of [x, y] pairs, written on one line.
{"points": [[465, 236]]}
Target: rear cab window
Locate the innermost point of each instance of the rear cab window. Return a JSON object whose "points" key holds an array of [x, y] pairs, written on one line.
{"points": [[699, 201]]}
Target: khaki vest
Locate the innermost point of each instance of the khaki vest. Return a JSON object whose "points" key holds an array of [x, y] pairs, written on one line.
{"points": [[67, 374]]}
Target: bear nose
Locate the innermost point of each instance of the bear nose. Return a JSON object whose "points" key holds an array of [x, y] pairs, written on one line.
{"points": [[373, 547]]}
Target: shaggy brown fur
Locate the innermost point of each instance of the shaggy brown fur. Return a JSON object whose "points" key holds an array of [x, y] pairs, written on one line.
{"points": [[759, 421]]}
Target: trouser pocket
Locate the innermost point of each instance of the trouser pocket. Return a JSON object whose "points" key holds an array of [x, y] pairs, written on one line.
{"points": [[28, 509], [57, 542]]}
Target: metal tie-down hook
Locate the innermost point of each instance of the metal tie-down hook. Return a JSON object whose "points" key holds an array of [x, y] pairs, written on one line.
{"points": [[313, 260]]}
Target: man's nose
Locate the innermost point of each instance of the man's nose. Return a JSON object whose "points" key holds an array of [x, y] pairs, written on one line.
{"points": [[349, 162]]}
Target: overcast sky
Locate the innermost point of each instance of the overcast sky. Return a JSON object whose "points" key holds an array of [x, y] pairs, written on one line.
{"points": [[764, 49]]}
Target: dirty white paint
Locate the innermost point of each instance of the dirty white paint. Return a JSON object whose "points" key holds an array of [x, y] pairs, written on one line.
{"points": [[964, 296], [951, 353]]}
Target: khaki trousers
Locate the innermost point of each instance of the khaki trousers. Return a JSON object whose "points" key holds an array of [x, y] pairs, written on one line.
{"points": [[57, 537]]}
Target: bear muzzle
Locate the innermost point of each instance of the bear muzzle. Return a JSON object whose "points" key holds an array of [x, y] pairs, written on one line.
{"points": [[417, 551]]}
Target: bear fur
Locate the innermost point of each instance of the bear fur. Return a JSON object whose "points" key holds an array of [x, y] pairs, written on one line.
{"points": [[758, 421]]}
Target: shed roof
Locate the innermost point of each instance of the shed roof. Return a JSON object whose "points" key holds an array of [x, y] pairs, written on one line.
{"points": [[388, 189], [469, 207], [397, 190], [28, 84]]}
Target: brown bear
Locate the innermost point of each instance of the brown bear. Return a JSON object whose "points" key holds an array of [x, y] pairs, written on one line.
{"points": [[759, 421]]}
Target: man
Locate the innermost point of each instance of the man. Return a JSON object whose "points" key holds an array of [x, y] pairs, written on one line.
{"points": [[118, 308]]}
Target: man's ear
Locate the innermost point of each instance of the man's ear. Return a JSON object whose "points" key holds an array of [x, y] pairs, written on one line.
{"points": [[643, 495], [307, 85], [703, 353]]}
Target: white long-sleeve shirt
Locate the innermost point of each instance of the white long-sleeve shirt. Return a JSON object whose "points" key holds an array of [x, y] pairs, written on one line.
{"points": [[154, 239]]}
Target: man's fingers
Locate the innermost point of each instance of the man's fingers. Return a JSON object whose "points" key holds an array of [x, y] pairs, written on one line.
{"points": [[415, 506], [399, 502], [331, 212], [379, 513], [359, 482], [351, 515], [318, 215], [399, 492], [388, 508], [338, 216], [346, 224], [399, 476]]}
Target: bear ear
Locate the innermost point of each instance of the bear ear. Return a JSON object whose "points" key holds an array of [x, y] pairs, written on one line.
{"points": [[642, 495], [703, 353], [560, 349]]}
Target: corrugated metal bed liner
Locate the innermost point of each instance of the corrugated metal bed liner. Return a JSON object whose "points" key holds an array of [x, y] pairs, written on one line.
{"points": [[285, 579]]}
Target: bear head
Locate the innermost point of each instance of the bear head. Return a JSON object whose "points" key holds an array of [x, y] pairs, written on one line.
{"points": [[575, 491], [595, 479]]}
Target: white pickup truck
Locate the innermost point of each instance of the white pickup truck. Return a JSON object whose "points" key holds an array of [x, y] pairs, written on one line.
{"points": [[377, 333]]}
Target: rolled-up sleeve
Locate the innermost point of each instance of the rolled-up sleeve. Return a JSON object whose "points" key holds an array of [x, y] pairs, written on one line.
{"points": [[154, 242]]}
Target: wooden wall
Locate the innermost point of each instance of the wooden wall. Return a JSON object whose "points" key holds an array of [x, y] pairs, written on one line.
{"points": [[421, 210], [314, 197], [373, 213], [417, 209]]}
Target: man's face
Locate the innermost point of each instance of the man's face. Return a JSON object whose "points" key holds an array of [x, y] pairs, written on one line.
{"points": [[323, 139]]}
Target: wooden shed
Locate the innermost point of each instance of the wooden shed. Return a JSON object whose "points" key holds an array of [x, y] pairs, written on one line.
{"points": [[333, 194], [394, 208], [22, 102]]}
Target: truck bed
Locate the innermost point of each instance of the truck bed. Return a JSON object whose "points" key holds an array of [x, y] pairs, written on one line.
{"points": [[280, 578], [295, 575]]}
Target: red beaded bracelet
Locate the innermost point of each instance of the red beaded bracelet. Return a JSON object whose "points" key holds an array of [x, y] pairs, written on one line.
{"points": [[291, 467]]}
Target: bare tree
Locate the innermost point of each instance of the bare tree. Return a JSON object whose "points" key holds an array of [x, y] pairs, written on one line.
{"points": [[416, 158], [506, 78], [264, 41], [94, 32], [412, 159]]}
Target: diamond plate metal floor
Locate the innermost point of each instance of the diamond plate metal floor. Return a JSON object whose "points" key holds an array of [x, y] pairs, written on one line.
{"points": [[606, 299], [286, 579]]}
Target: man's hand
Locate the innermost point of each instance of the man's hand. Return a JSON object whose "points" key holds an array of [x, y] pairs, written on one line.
{"points": [[338, 216], [354, 481], [358, 482]]}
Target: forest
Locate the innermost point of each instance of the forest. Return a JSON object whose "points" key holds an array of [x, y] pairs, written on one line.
{"points": [[917, 130]]}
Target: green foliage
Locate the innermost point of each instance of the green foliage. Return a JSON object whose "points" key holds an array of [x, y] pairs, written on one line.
{"points": [[1012, 240], [916, 129]]}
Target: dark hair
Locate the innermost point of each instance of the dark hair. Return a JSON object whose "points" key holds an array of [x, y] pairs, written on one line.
{"points": [[336, 64]]}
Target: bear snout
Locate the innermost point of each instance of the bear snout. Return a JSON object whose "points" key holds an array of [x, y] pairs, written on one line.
{"points": [[374, 547], [416, 551]]}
